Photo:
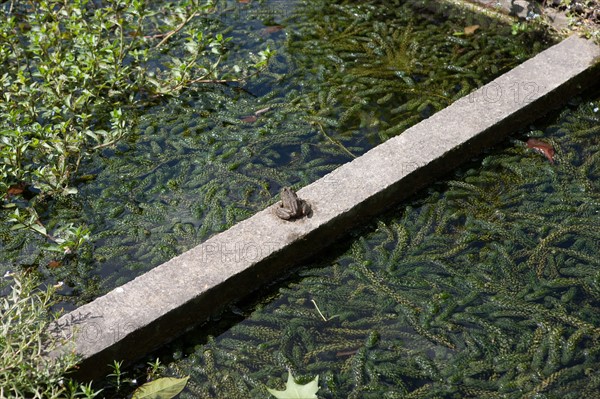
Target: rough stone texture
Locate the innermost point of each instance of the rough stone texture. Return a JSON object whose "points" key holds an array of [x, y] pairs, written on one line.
{"points": [[147, 312], [519, 8], [522, 9]]}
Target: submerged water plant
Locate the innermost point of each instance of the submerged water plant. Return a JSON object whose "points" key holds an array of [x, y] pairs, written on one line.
{"points": [[75, 75], [70, 70], [336, 86], [486, 287]]}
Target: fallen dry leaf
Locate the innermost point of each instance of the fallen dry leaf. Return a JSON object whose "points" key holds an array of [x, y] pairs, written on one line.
{"points": [[15, 189], [542, 147], [469, 30], [54, 264], [271, 29]]}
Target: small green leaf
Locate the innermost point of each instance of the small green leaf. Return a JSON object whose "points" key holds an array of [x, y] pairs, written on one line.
{"points": [[54, 248], [16, 226], [163, 388], [39, 229], [297, 391]]}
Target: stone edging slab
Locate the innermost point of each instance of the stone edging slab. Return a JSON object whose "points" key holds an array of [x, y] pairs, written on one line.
{"points": [[154, 308]]}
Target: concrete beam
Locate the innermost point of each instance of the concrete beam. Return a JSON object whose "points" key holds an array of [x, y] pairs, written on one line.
{"points": [[136, 318]]}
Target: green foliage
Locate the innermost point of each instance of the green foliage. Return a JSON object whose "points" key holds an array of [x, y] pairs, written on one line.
{"points": [[117, 375], [485, 288], [70, 68], [293, 390], [212, 156], [66, 64], [142, 382], [74, 75], [26, 370], [65, 239]]}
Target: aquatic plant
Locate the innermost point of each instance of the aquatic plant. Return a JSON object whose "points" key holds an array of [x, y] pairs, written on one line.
{"points": [[214, 155], [74, 75], [486, 287], [387, 72], [71, 68]]}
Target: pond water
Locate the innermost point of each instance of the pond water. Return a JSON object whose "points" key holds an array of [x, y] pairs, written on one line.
{"points": [[486, 286], [346, 77]]}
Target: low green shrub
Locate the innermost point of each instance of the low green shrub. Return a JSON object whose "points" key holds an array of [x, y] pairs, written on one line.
{"points": [[25, 341]]}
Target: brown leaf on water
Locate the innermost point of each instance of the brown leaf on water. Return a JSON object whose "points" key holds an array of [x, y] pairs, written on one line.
{"points": [[271, 29], [54, 264], [546, 149], [469, 30], [15, 189]]}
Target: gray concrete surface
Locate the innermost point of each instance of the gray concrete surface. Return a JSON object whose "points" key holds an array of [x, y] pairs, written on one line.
{"points": [[140, 316]]}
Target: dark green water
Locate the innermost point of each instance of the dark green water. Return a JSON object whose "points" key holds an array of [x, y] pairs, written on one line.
{"points": [[486, 286], [345, 78]]}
